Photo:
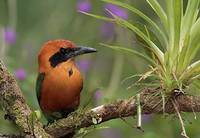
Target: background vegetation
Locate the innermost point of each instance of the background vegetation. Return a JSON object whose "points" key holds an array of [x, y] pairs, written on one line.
{"points": [[26, 24]]}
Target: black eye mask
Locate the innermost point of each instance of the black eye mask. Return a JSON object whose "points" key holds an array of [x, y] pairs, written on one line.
{"points": [[60, 56], [66, 53]]}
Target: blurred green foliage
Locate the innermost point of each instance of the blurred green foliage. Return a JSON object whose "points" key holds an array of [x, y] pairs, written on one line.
{"points": [[36, 22]]}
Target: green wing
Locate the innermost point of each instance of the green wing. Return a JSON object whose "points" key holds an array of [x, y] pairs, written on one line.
{"points": [[40, 79]]}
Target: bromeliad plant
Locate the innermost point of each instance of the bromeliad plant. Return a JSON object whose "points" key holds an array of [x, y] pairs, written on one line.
{"points": [[178, 35]]}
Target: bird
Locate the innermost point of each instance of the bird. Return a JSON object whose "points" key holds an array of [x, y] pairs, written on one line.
{"points": [[59, 82]]}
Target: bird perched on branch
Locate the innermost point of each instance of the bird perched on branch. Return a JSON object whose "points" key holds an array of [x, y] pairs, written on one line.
{"points": [[59, 82]]}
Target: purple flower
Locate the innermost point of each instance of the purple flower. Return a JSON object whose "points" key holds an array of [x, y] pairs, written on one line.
{"points": [[83, 6], [9, 36], [120, 12], [107, 31], [97, 97], [146, 118], [84, 65], [20, 74]]}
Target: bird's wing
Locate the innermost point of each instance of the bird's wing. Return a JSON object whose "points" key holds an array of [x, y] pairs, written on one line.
{"points": [[40, 79]]}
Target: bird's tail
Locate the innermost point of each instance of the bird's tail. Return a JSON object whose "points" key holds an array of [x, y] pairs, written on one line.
{"points": [[70, 135], [58, 115], [65, 114]]}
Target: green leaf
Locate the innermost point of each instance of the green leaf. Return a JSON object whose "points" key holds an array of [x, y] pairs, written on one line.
{"points": [[159, 33], [192, 71], [131, 77], [171, 34], [195, 40], [170, 16], [98, 17], [189, 38], [177, 7], [123, 49], [158, 53], [182, 56], [177, 25], [189, 17], [190, 50], [159, 11], [195, 16], [195, 78], [196, 83], [195, 32]]}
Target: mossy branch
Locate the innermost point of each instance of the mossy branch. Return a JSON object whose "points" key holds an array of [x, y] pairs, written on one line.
{"points": [[13, 102], [123, 108], [18, 111]]}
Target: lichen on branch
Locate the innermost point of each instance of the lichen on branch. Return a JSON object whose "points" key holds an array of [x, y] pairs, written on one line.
{"points": [[13, 102]]}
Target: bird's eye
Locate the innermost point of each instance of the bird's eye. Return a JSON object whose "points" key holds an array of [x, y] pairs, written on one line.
{"points": [[70, 72], [62, 50]]}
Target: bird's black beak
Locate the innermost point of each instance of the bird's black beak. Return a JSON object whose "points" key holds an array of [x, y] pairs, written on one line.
{"points": [[66, 53], [82, 50], [75, 51]]}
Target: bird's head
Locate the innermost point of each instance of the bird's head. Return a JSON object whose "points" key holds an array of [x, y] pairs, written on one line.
{"points": [[57, 51]]}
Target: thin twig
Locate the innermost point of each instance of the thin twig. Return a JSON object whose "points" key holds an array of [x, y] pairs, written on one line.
{"points": [[183, 133], [139, 112]]}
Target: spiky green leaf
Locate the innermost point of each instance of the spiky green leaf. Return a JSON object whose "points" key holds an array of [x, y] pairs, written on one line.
{"points": [[192, 71], [159, 11], [132, 51], [159, 54], [158, 31]]}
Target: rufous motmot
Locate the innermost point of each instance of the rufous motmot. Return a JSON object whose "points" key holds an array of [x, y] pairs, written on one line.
{"points": [[59, 82]]}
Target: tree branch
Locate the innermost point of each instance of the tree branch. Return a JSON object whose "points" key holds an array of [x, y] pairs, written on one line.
{"points": [[18, 111], [122, 108]]}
